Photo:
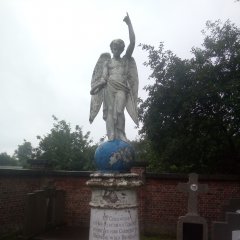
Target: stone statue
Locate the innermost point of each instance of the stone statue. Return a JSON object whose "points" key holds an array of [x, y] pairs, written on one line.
{"points": [[115, 84]]}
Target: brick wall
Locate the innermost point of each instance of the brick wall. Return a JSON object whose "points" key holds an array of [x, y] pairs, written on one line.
{"points": [[15, 184], [160, 204]]}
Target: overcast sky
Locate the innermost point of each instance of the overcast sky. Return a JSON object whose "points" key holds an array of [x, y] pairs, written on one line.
{"points": [[48, 50]]}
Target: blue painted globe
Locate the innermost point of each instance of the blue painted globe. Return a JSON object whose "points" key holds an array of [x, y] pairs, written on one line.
{"points": [[114, 156]]}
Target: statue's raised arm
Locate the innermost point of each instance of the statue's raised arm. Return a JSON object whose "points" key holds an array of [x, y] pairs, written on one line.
{"points": [[131, 36]]}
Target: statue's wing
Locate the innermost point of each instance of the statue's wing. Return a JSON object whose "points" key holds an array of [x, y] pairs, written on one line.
{"points": [[96, 88], [133, 85]]}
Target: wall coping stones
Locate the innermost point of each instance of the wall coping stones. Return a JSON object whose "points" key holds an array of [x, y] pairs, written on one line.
{"points": [[167, 176], [202, 177], [42, 173]]}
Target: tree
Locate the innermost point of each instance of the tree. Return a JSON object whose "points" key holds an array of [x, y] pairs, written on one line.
{"points": [[7, 160], [192, 114], [24, 153], [66, 149]]}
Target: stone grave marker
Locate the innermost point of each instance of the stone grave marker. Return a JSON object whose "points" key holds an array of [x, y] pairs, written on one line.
{"points": [[236, 235], [228, 230], [35, 213], [44, 209], [192, 226], [59, 217], [232, 206]]}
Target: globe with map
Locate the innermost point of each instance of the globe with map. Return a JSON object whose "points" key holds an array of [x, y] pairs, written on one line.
{"points": [[114, 156]]}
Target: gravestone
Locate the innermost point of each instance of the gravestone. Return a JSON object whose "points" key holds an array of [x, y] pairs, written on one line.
{"points": [[192, 226], [44, 209], [232, 206], [236, 235], [228, 230], [35, 214], [59, 207], [55, 200]]}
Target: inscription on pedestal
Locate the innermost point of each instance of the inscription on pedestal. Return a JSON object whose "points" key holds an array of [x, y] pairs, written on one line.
{"points": [[111, 224]]}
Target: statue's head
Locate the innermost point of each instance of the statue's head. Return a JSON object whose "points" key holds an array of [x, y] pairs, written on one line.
{"points": [[117, 46]]}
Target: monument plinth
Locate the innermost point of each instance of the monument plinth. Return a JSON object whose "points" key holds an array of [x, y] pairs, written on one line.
{"points": [[114, 208]]}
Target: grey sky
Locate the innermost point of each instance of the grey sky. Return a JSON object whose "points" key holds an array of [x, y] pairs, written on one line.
{"points": [[50, 47]]}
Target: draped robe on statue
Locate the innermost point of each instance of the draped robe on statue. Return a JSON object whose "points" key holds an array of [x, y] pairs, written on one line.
{"points": [[116, 95]]}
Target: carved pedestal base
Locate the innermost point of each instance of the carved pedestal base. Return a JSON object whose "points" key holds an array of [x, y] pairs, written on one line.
{"points": [[114, 213]]}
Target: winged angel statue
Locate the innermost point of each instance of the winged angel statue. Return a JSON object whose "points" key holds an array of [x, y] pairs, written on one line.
{"points": [[115, 85]]}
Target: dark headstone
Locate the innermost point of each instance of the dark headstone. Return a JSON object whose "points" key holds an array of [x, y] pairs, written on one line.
{"points": [[232, 206], [55, 207], [59, 208], [192, 226], [228, 230], [35, 213], [44, 209]]}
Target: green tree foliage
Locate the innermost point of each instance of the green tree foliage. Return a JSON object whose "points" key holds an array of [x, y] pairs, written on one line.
{"points": [[7, 160], [24, 153], [192, 114], [143, 150], [66, 149]]}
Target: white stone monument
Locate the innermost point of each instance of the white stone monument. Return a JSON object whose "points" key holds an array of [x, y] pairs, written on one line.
{"points": [[114, 208], [115, 86], [236, 235]]}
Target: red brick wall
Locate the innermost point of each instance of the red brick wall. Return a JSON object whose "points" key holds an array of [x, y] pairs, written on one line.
{"points": [[15, 184], [13, 192], [160, 204], [78, 196]]}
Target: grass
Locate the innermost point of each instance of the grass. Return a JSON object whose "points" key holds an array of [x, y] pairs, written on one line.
{"points": [[14, 236], [10, 236]]}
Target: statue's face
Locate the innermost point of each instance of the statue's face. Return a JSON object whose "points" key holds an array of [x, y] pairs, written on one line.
{"points": [[116, 50]]}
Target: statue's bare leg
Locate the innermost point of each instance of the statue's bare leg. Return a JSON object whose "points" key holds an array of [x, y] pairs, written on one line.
{"points": [[121, 99], [110, 127], [110, 114]]}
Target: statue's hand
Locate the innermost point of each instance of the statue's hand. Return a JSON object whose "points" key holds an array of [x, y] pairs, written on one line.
{"points": [[127, 19], [103, 82], [98, 86]]}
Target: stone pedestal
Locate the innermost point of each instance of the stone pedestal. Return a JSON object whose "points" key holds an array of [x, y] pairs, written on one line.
{"points": [[114, 208]]}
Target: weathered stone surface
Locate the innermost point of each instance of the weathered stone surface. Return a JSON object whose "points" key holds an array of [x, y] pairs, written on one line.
{"points": [[192, 226], [115, 85], [35, 213], [228, 229], [44, 209], [113, 198], [236, 235], [114, 180], [193, 188], [110, 224], [114, 212], [232, 206]]}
